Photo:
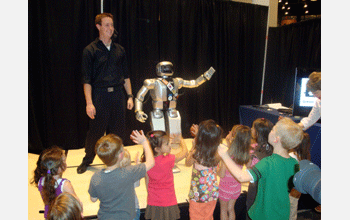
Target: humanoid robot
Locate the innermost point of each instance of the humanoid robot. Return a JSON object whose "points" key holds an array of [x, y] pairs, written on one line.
{"points": [[164, 94]]}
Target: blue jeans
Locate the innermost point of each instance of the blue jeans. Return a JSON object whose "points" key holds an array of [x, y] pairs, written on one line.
{"points": [[138, 213]]}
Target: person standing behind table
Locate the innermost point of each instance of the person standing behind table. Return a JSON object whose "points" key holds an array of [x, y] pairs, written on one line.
{"points": [[314, 86], [105, 73]]}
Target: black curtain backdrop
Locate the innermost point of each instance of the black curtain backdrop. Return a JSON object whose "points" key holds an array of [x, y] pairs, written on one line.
{"points": [[289, 47], [193, 34], [58, 32]]}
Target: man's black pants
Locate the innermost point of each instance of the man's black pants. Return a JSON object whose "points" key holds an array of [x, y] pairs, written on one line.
{"points": [[110, 118]]}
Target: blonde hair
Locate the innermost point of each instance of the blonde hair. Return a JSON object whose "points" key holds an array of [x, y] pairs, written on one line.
{"points": [[65, 206], [126, 161], [314, 82], [108, 148], [290, 133]]}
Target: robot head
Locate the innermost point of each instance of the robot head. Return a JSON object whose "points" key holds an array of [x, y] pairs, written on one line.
{"points": [[164, 68]]}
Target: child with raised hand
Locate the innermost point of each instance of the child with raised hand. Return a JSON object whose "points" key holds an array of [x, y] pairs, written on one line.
{"points": [[161, 199], [114, 185], [66, 206], [274, 174], [260, 132], [204, 159], [301, 152], [48, 176], [239, 140]]}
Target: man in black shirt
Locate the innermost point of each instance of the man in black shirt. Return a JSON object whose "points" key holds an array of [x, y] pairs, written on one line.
{"points": [[105, 73]]}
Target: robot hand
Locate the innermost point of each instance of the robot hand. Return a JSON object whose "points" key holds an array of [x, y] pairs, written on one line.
{"points": [[141, 116], [209, 73]]}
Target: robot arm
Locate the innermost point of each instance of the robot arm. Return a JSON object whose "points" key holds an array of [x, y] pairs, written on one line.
{"points": [[199, 81], [147, 85]]}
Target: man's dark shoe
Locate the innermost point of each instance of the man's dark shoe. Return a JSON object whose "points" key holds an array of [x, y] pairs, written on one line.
{"points": [[82, 168]]}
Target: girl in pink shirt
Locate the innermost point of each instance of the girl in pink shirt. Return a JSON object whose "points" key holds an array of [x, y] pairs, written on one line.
{"points": [[238, 142], [161, 199]]}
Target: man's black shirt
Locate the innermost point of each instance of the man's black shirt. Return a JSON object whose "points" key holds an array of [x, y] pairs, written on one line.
{"points": [[102, 67]]}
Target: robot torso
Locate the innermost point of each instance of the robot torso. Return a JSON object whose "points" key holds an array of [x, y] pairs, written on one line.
{"points": [[163, 93]]}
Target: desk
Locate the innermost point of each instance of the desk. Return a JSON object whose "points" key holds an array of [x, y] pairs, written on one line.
{"points": [[247, 114]]}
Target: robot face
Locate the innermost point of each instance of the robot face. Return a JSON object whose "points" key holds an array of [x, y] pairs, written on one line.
{"points": [[164, 68]]}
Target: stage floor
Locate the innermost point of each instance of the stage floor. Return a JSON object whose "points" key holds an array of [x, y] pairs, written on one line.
{"points": [[81, 182]]}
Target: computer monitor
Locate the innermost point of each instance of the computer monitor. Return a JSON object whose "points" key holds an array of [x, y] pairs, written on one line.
{"points": [[303, 99]]}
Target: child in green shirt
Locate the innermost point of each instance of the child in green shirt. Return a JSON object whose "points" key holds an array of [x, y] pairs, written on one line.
{"points": [[274, 173]]}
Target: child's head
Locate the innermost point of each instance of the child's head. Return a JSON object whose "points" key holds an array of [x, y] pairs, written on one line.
{"points": [[40, 171], [53, 161], [240, 145], [109, 149], [159, 141], [65, 206], [303, 149], [260, 130], [287, 132], [206, 143]]}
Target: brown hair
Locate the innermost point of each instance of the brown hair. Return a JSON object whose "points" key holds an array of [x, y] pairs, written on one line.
{"points": [[314, 82], [98, 18], [289, 132], [65, 206], [262, 129], [108, 148], [51, 161], [206, 143], [156, 139], [240, 146], [303, 149]]}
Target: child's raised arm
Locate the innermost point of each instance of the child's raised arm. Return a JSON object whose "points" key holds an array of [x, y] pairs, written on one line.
{"points": [[184, 151], [140, 138], [241, 176], [189, 159]]}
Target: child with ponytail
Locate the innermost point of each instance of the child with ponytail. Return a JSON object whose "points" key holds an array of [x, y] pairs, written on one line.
{"points": [[48, 176], [161, 199]]}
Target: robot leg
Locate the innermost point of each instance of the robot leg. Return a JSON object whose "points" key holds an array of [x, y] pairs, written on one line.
{"points": [[174, 120], [157, 120]]}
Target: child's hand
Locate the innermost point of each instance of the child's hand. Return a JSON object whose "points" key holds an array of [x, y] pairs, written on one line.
{"points": [[229, 138], [175, 138], [138, 137], [222, 150], [194, 130]]}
